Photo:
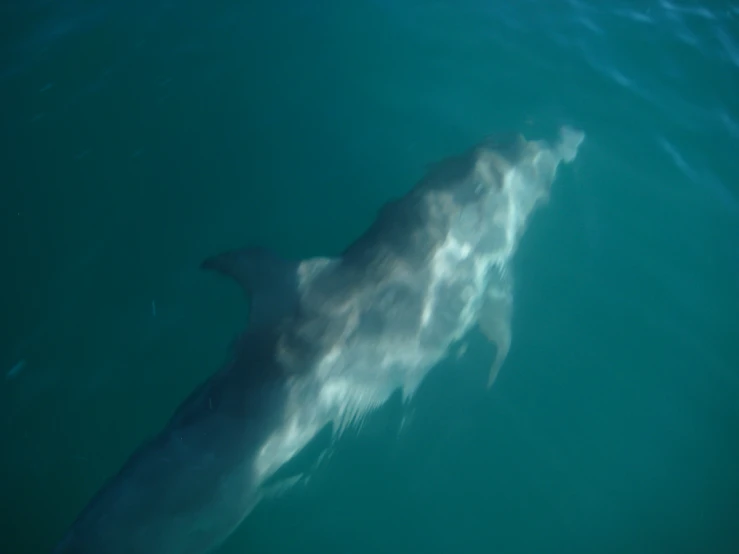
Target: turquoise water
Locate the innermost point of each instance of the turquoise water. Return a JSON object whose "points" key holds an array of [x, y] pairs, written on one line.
{"points": [[141, 137]]}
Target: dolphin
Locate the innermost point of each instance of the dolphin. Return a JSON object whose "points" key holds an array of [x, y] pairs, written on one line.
{"points": [[328, 340]]}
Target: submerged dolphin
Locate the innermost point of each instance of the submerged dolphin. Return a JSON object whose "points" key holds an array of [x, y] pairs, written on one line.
{"points": [[329, 339]]}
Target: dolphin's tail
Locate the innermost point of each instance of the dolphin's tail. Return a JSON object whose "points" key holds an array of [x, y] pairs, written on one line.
{"points": [[569, 141]]}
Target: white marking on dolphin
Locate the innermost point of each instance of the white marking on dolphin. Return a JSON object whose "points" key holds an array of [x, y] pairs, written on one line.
{"points": [[328, 341]]}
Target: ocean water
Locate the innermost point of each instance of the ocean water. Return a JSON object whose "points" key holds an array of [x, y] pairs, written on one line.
{"points": [[141, 137]]}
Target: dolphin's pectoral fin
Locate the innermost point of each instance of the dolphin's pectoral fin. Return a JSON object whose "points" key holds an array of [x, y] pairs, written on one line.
{"points": [[498, 332], [269, 280], [495, 319], [569, 142], [302, 464]]}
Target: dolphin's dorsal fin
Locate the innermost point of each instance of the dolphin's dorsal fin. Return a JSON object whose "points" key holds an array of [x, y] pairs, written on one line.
{"points": [[269, 280]]}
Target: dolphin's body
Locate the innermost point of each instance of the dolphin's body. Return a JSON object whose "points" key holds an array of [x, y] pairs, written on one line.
{"points": [[329, 339]]}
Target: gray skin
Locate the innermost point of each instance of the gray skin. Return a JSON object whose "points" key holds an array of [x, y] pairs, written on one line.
{"points": [[329, 340]]}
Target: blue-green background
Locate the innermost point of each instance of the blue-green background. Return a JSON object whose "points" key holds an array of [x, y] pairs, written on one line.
{"points": [[139, 137]]}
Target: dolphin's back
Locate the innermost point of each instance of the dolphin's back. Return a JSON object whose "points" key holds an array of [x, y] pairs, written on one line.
{"points": [[433, 263]]}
